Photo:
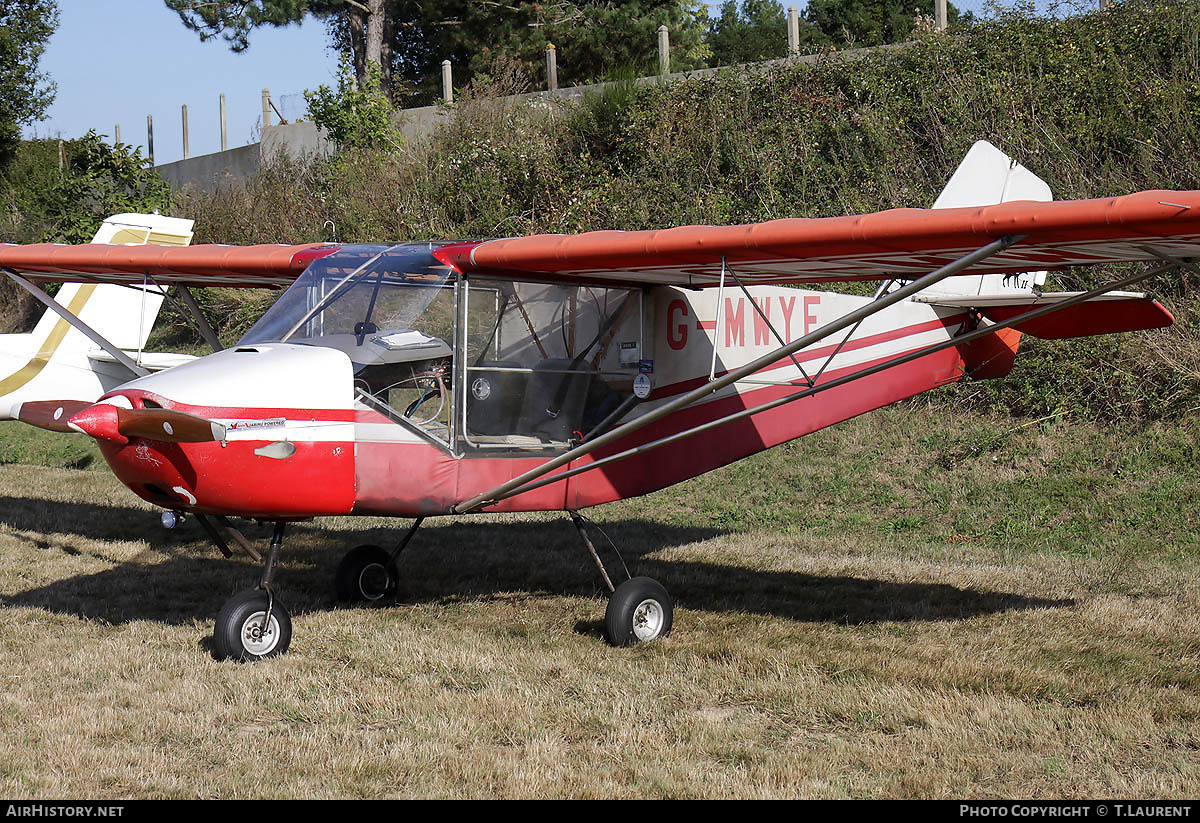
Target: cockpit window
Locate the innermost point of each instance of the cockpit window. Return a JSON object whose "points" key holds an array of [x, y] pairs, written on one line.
{"points": [[390, 309], [358, 291]]}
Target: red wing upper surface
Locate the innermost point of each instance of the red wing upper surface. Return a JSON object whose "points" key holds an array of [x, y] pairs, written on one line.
{"points": [[206, 265], [901, 243]]}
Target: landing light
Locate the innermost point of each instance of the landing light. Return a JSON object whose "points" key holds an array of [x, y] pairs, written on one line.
{"points": [[171, 519]]}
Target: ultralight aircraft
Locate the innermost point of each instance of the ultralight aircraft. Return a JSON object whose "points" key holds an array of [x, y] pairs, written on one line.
{"points": [[559, 372]]}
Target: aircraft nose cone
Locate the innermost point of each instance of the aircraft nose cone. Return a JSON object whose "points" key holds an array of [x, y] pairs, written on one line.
{"points": [[100, 421]]}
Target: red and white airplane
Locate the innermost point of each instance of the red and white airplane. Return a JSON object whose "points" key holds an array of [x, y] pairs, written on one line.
{"points": [[561, 372]]}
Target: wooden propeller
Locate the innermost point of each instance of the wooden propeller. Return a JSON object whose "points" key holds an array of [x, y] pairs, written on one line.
{"points": [[108, 422], [49, 414]]}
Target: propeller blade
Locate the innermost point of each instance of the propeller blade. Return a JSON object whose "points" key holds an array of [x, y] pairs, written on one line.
{"points": [[108, 422], [49, 414], [168, 426]]}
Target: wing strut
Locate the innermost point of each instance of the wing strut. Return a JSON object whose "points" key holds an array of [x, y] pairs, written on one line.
{"points": [[841, 381], [90, 333], [206, 330], [845, 321]]}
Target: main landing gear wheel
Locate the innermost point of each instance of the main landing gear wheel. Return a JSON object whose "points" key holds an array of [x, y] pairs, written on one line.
{"points": [[640, 610], [366, 573], [250, 626]]}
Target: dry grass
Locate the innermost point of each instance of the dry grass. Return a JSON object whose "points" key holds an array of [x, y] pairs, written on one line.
{"points": [[872, 622]]}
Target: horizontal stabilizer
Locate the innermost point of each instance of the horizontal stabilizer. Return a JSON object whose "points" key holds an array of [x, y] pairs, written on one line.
{"points": [[1108, 314], [151, 361]]}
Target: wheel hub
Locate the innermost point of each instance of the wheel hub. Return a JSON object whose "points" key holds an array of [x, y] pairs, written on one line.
{"points": [[373, 581], [647, 620], [259, 637]]}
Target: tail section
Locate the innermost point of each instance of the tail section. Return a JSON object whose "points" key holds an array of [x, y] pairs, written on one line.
{"points": [[120, 314], [985, 177], [55, 360]]}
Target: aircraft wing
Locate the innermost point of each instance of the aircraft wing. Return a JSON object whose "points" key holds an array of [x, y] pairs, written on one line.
{"points": [[899, 243], [262, 266]]}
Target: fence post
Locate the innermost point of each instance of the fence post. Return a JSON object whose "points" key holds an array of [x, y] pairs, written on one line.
{"points": [[186, 153], [793, 26], [664, 51], [266, 101], [447, 82], [224, 139], [150, 137], [939, 10], [551, 68]]}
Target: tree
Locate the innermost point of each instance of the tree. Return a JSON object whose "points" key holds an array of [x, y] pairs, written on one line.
{"points": [[408, 40], [755, 30], [368, 24], [594, 39], [60, 191], [873, 22], [25, 92], [355, 115]]}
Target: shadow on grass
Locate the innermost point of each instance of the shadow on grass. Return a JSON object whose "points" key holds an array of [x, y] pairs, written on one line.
{"points": [[452, 560]]}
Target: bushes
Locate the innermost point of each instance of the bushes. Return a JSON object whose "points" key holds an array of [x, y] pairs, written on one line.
{"points": [[1098, 104]]}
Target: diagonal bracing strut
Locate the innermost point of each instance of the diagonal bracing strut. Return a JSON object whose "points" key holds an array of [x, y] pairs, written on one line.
{"points": [[87, 331], [845, 321], [841, 381]]}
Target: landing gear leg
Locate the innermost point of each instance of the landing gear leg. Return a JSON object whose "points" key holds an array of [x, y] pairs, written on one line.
{"points": [[368, 573], [639, 610], [253, 624]]}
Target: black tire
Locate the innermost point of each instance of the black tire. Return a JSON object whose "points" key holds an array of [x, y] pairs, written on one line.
{"points": [[366, 574], [640, 610], [237, 634]]}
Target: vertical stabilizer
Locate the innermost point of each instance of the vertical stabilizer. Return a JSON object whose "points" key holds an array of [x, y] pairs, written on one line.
{"points": [[120, 314], [56, 361], [985, 177]]}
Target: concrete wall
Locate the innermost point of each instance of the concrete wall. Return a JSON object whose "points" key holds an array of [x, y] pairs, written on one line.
{"points": [[305, 140], [297, 140], [208, 170]]}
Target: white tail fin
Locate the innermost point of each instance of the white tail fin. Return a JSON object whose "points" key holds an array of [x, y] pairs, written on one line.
{"points": [[56, 360], [120, 314], [987, 176]]}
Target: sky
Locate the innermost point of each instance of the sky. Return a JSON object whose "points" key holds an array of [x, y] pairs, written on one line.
{"points": [[116, 61]]}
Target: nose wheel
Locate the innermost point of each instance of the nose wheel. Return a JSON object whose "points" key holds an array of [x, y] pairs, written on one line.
{"points": [[253, 624]]}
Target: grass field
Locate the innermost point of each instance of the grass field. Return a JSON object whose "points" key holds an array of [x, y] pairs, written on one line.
{"points": [[907, 605]]}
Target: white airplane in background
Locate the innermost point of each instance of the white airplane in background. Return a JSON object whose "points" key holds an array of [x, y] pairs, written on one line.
{"points": [[57, 361]]}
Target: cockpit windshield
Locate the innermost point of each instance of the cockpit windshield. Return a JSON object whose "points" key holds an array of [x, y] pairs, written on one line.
{"points": [[360, 293], [390, 309]]}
